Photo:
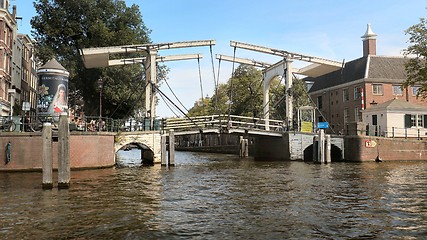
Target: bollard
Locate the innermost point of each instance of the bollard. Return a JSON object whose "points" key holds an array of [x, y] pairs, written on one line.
{"points": [[241, 146], [321, 145], [163, 150], [315, 147], [47, 156], [171, 148], [63, 152], [328, 148], [246, 148]]}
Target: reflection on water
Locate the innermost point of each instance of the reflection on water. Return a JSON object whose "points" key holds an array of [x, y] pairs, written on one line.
{"points": [[212, 196]]}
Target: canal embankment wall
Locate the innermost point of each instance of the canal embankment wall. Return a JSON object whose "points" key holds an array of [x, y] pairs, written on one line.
{"points": [[87, 151], [355, 149], [368, 148]]}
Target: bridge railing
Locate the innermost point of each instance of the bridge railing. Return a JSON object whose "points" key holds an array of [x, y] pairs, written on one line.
{"points": [[222, 121], [92, 124]]}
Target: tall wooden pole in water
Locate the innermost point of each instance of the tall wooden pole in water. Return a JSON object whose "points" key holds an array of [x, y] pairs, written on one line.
{"points": [[63, 152], [163, 156], [328, 149], [321, 145], [47, 156], [171, 148]]}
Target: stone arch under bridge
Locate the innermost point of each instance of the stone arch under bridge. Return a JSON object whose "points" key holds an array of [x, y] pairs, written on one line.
{"points": [[147, 141], [301, 146]]}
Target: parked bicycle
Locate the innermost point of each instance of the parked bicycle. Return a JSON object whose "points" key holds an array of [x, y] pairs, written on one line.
{"points": [[7, 125]]}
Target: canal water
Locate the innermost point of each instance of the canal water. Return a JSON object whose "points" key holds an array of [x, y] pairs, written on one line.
{"points": [[213, 196]]}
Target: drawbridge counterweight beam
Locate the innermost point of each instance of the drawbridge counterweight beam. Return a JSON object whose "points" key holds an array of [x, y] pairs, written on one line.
{"points": [[142, 60], [101, 57], [243, 61], [285, 54]]}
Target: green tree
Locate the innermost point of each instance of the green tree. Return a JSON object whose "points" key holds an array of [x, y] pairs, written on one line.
{"points": [[63, 27], [218, 103], [301, 97], [244, 92], [416, 67], [200, 108]]}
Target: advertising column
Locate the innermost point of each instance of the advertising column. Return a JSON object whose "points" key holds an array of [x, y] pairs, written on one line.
{"points": [[52, 91]]}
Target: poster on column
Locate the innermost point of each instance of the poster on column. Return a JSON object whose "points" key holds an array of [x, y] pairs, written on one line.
{"points": [[52, 96]]}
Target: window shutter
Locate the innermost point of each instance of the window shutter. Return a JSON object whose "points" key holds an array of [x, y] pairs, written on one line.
{"points": [[425, 121], [407, 120]]}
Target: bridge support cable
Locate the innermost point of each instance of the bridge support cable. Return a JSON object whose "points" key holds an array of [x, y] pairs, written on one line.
{"points": [[216, 86], [213, 68], [129, 96], [216, 81], [173, 93], [230, 100], [139, 99], [201, 85], [314, 104], [169, 106], [186, 116]]}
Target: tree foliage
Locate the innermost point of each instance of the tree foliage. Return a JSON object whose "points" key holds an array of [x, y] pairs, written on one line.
{"points": [[245, 91], [63, 27], [300, 94], [416, 67]]}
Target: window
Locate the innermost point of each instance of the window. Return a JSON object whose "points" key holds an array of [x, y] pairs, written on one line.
{"points": [[319, 102], [357, 114], [346, 115], [397, 90], [377, 89], [415, 90], [415, 120], [374, 120], [345, 95], [357, 92]]}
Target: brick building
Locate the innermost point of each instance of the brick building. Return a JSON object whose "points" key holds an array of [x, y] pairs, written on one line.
{"points": [[7, 30], [18, 80], [342, 95]]}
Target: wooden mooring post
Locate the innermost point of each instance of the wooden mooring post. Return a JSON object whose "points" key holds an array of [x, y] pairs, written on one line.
{"points": [[328, 149], [167, 157], [243, 147], [63, 152], [164, 158], [171, 148], [322, 148], [47, 156]]}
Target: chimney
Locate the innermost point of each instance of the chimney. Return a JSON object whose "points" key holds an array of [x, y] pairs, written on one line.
{"points": [[14, 11], [369, 42]]}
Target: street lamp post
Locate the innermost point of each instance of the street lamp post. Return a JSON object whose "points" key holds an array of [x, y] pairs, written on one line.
{"points": [[100, 83]]}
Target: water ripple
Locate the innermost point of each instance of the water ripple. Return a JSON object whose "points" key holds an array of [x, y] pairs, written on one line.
{"points": [[211, 196]]}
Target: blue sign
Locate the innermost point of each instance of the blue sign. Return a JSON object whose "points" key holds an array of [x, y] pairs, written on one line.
{"points": [[322, 125]]}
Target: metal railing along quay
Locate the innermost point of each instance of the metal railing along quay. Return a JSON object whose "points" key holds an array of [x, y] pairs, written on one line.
{"points": [[85, 123]]}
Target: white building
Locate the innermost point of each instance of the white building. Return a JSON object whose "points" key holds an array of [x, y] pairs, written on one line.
{"points": [[396, 118]]}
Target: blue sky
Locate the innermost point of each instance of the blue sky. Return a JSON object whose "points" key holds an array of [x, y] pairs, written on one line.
{"points": [[324, 28]]}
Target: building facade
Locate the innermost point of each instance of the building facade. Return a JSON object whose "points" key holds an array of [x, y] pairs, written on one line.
{"points": [[28, 75], [7, 31], [18, 79], [341, 96]]}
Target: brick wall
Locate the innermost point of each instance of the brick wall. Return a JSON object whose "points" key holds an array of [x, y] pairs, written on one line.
{"points": [[86, 151], [363, 148]]}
